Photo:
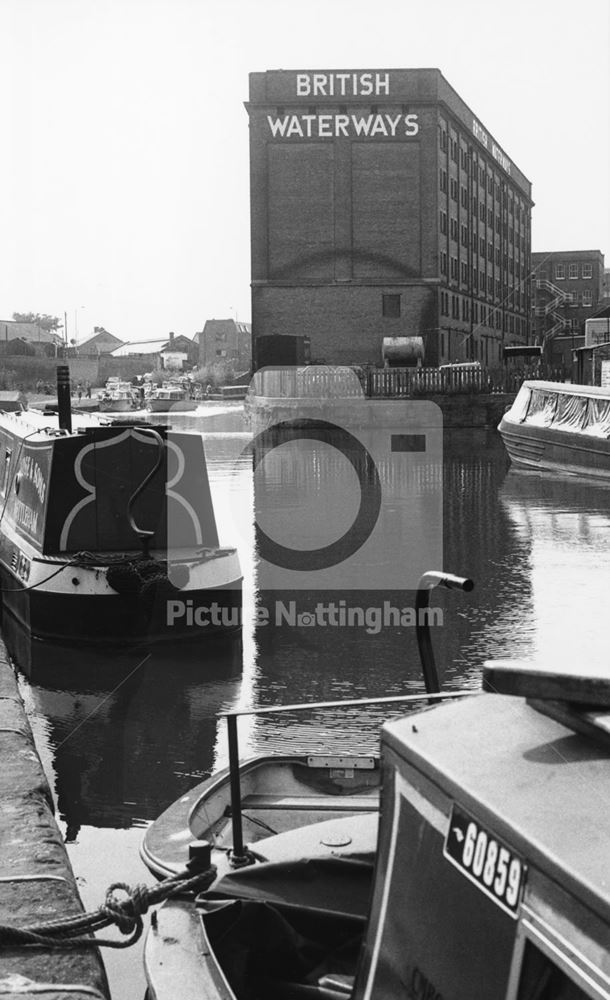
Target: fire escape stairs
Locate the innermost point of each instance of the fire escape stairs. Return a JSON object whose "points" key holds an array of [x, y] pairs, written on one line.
{"points": [[549, 309]]}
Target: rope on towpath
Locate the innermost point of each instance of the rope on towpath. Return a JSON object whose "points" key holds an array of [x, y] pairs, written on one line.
{"points": [[126, 913]]}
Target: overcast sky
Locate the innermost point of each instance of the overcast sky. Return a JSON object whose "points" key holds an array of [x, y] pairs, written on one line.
{"points": [[124, 177]]}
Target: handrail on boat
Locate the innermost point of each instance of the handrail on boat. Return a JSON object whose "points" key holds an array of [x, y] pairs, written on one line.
{"points": [[144, 534], [432, 694], [427, 583]]}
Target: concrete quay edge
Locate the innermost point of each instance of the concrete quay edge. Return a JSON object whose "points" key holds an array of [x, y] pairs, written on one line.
{"points": [[458, 410], [37, 883]]}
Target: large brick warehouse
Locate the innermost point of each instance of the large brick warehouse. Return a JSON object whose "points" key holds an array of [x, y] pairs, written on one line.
{"points": [[381, 207]]}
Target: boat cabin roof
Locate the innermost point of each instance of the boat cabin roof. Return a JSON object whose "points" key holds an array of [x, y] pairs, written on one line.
{"points": [[38, 425], [586, 391], [537, 783]]}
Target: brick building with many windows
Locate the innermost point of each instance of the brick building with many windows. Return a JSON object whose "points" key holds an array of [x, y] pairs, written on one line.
{"points": [[567, 287], [382, 207], [226, 341]]}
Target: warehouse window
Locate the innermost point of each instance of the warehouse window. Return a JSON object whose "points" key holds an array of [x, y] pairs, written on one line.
{"points": [[587, 270], [390, 306], [572, 270], [454, 229], [587, 297], [443, 222], [443, 263], [443, 179], [453, 188]]}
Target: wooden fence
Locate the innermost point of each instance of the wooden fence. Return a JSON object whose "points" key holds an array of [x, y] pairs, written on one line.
{"points": [[322, 382]]}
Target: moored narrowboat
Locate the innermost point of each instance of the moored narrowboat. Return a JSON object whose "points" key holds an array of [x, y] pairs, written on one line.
{"points": [[490, 873], [108, 534], [559, 427]]}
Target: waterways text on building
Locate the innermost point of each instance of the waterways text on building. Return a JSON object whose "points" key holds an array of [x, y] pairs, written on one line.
{"points": [[382, 207]]}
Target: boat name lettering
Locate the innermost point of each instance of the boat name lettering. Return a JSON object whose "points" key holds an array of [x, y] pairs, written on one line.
{"points": [[314, 126], [31, 470], [342, 84], [485, 860], [26, 516]]}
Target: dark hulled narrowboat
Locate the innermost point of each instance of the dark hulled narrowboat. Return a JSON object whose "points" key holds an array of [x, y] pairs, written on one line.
{"points": [[108, 533]]}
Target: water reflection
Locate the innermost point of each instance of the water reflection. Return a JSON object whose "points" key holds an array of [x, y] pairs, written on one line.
{"points": [[564, 522], [126, 739], [128, 732]]}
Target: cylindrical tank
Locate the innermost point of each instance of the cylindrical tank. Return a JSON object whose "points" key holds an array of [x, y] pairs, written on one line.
{"points": [[402, 352]]}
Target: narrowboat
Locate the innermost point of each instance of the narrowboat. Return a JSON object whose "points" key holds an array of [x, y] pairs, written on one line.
{"points": [[108, 533], [169, 397], [489, 877], [559, 427]]}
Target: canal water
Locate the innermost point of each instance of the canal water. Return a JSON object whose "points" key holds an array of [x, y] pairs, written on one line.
{"points": [[123, 734]]}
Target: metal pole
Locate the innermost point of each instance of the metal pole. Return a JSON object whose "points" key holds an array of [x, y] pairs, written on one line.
{"points": [[238, 837], [422, 629]]}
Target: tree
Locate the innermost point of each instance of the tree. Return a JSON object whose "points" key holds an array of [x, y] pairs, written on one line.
{"points": [[43, 320]]}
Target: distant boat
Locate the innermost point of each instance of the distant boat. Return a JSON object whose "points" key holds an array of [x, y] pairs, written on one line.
{"points": [[168, 398], [108, 534], [560, 427], [118, 397]]}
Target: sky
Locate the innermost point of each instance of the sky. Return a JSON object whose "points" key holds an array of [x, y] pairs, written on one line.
{"points": [[124, 174]]}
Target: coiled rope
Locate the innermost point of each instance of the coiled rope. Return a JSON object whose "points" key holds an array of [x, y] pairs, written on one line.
{"points": [[126, 913]]}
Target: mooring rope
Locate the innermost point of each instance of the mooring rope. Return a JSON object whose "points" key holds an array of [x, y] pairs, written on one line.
{"points": [[125, 913]]}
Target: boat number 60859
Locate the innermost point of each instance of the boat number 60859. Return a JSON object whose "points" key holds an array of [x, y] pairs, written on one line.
{"points": [[485, 859]]}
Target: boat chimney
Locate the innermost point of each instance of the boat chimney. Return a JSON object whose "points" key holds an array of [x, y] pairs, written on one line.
{"points": [[64, 404]]}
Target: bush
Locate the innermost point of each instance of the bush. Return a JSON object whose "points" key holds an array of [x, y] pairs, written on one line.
{"points": [[222, 373]]}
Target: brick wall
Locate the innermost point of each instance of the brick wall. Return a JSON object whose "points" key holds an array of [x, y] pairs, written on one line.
{"points": [[345, 325], [18, 370]]}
